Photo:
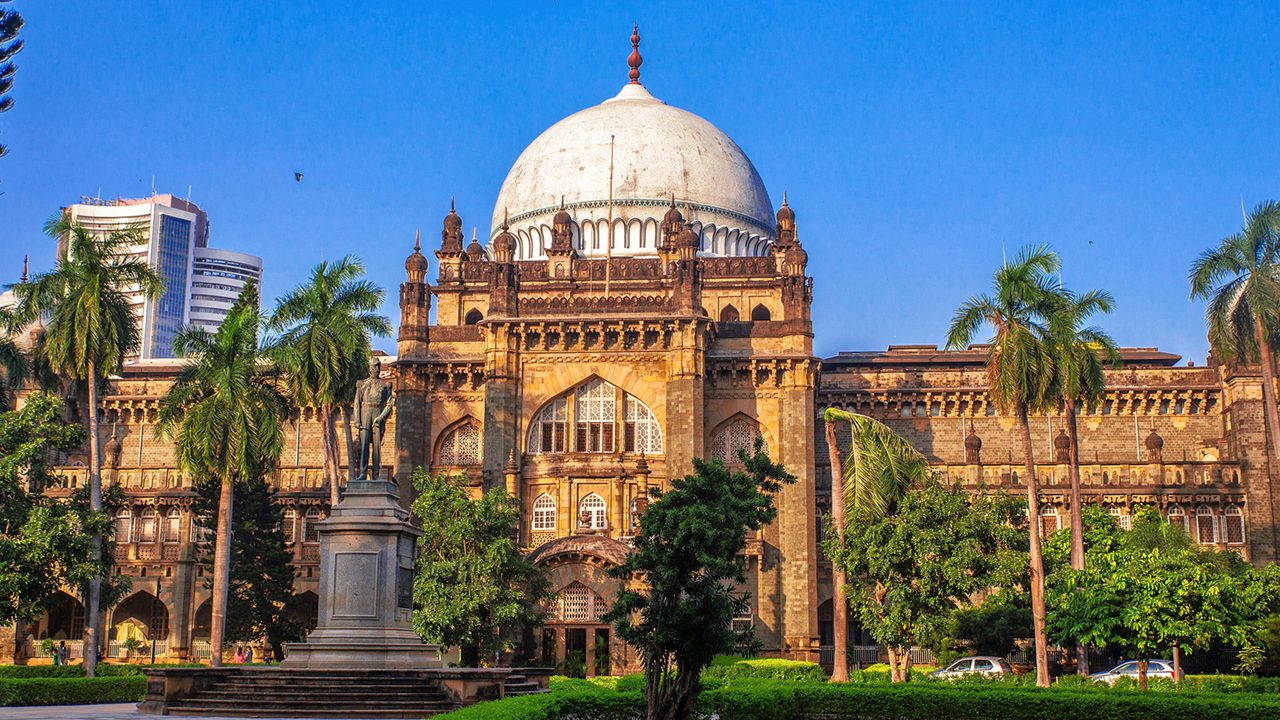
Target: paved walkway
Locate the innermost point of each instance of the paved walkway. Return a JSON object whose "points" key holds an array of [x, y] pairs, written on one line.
{"points": [[118, 711]]}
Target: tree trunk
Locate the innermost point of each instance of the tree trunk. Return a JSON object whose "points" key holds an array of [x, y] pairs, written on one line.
{"points": [[1077, 520], [1268, 389], [1037, 560], [1177, 663], [1142, 674], [221, 571], [895, 672], [839, 605], [93, 601], [329, 452]]}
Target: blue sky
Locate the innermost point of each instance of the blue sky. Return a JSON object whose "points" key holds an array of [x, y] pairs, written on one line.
{"points": [[915, 140]]}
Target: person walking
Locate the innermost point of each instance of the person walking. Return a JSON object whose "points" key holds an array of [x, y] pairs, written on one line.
{"points": [[248, 655], [63, 652]]}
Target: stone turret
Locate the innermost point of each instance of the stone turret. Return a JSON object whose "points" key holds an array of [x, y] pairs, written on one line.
{"points": [[504, 300], [415, 305], [450, 253], [973, 448], [560, 255], [1062, 447], [1155, 448]]}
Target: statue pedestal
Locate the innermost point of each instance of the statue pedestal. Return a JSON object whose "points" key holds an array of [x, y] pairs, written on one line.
{"points": [[367, 551]]}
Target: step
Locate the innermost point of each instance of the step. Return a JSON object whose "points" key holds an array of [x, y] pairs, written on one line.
{"points": [[373, 696], [366, 713]]}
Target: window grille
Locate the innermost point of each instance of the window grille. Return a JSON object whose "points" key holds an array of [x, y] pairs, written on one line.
{"points": [[124, 527], [739, 435], [578, 603], [1123, 519], [549, 427], [596, 411], [544, 513], [147, 525], [1206, 531], [1179, 518], [461, 447], [1048, 521], [289, 524], [641, 432], [1233, 526], [172, 526], [311, 533], [594, 508]]}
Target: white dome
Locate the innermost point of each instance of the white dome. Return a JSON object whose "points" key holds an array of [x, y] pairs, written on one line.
{"points": [[659, 151]]}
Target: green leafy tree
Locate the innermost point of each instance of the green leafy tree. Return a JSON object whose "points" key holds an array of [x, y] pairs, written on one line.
{"points": [[1020, 380], [91, 329], [1080, 354], [686, 556], [1241, 280], [10, 45], [224, 414], [261, 603], [868, 483], [473, 587], [992, 628], [326, 327], [14, 364], [1148, 590], [911, 568]]}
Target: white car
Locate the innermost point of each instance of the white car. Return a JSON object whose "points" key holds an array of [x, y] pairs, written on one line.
{"points": [[992, 667], [1129, 669]]}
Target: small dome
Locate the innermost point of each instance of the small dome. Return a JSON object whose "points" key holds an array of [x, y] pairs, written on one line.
{"points": [[475, 251], [687, 238], [1062, 441], [113, 445], [785, 213], [452, 221], [1154, 441], [973, 442], [673, 216]]}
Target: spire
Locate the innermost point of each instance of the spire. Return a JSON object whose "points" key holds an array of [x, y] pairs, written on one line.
{"points": [[24, 268], [635, 60], [417, 240], [451, 209], [505, 224]]}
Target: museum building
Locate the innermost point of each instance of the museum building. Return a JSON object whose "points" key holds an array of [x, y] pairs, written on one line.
{"points": [[638, 304]]}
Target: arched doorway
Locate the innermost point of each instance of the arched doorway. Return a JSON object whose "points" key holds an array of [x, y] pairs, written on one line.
{"points": [[201, 623], [574, 639], [862, 647], [63, 621], [139, 627]]}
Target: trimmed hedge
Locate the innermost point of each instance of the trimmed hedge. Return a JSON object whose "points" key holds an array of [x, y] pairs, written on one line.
{"points": [[765, 668], [72, 690], [77, 671], [757, 699]]}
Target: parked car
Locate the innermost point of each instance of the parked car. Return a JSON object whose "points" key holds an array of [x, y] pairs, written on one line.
{"points": [[985, 666], [1129, 669]]}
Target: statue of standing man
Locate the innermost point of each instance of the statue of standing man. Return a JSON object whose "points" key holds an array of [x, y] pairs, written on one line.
{"points": [[373, 405]]}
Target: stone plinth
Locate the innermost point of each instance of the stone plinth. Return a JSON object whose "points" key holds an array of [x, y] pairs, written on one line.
{"points": [[367, 548]]}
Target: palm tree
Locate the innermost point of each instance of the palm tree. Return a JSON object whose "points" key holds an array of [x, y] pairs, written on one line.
{"points": [[1080, 353], [1241, 280], [1020, 380], [91, 329], [224, 413], [866, 485], [326, 327], [14, 367]]}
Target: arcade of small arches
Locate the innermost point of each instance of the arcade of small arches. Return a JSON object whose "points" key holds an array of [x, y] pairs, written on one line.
{"points": [[638, 237], [1207, 524]]}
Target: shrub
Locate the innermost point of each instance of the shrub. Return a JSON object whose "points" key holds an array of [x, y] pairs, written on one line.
{"points": [[765, 668], [72, 690], [568, 698], [45, 671]]}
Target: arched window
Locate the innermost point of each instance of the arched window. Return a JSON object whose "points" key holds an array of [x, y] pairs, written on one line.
{"points": [[461, 446], [1178, 517], [147, 525], [578, 603], [1122, 516], [596, 411], [1206, 529], [172, 528], [640, 431], [550, 427], [592, 513], [1233, 525], [311, 533], [124, 526], [760, 312], [740, 434], [289, 525], [474, 317], [1048, 520], [544, 513], [729, 314]]}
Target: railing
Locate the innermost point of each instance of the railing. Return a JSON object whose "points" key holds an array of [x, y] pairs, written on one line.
{"points": [[201, 650], [864, 655], [33, 649]]}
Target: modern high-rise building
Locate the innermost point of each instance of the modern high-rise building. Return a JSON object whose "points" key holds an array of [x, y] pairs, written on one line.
{"points": [[174, 240]]}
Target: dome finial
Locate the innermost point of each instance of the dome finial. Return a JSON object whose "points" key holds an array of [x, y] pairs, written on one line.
{"points": [[451, 208], [635, 60], [417, 240], [505, 224], [25, 258]]}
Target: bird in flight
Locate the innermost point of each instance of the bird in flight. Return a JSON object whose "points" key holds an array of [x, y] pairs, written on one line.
{"points": [[297, 177]]}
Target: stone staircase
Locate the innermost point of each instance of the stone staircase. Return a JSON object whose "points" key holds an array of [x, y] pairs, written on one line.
{"points": [[317, 694], [517, 684]]}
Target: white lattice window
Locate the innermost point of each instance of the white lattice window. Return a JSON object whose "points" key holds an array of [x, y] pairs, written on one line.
{"points": [[596, 411], [147, 525], [592, 508], [578, 603], [1178, 518], [461, 447], [544, 513], [1049, 522], [739, 435], [311, 533], [124, 526], [743, 621], [172, 526], [1233, 525], [1206, 529], [640, 432], [549, 428], [1123, 519], [289, 525]]}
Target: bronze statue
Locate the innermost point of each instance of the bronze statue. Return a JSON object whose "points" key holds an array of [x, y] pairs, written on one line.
{"points": [[373, 405]]}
